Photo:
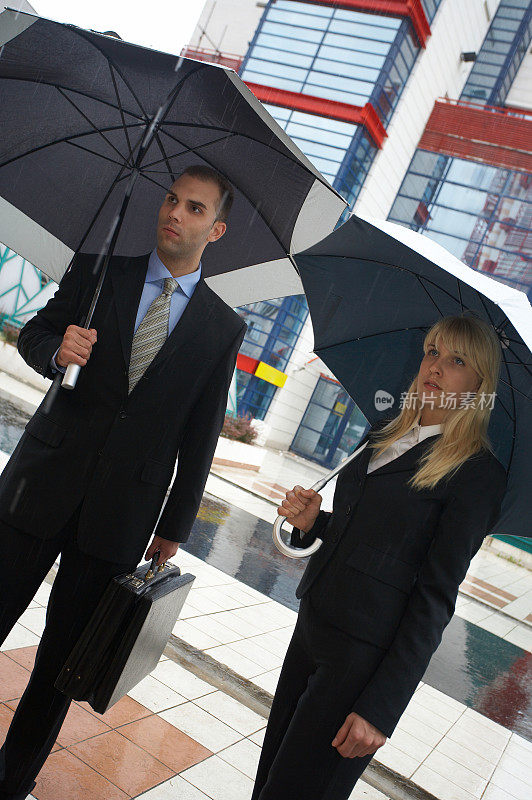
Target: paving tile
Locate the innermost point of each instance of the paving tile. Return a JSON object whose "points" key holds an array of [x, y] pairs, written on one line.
{"points": [[244, 756], [233, 713], [211, 625], [126, 710], [363, 791], [270, 643], [19, 636], [509, 783], [397, 760], [435, 705], [181, 681], [122, 762], [486, 728], [463, 755], [165, 742], [34, 619], [201, 726], [268, 680], [66, 777], [419, 729], [79, 725], [220, 780], [238, 625], [6, 715], [258, 738], [494, 793], [42, 595], [518, 752], [422, 713], [464, 737], [154, 695], [498, 624], [193, 635], [441, 787], [13, 678], [410, 745], [25, 656], [516, 767], [236, 661], [461, 775], [255, 652], [174, 789], [520, 636]]}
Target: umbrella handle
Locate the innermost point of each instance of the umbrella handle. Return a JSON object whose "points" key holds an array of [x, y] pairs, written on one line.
{"points": [[303, 552], [71, 376]]}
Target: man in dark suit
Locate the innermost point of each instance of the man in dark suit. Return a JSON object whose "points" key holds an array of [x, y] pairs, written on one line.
{"points": [[89, 476]]}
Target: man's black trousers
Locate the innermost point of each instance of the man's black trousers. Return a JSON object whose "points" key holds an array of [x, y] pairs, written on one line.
{"points": [[323, 673], [78, 586]]}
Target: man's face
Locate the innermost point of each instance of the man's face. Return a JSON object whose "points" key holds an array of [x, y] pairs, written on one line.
{"points": [[187, 218]]}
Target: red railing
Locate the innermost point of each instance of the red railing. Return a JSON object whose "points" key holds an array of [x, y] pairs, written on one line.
{"points": [[214, 56]]}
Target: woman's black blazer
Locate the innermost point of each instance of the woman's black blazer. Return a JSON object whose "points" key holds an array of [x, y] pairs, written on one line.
{"points": [[391, 563]]}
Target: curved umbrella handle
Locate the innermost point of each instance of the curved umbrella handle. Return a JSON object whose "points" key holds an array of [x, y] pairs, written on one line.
{"points": [[303, 552]]}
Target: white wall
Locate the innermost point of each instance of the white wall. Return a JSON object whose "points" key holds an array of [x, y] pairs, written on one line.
{"points": [[289, 404], [227, 25], [520, 94], [458, 27]]}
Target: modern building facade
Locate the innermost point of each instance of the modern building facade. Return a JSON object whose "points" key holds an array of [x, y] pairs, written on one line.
{"points": [[406, 108]]}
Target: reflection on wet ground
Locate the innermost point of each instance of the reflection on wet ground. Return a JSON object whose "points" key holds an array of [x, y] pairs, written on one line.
{"points": [[472, 665], [12, 422]]}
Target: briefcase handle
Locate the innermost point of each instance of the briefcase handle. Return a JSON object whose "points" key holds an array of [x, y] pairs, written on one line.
{"points": [[153, 569]]}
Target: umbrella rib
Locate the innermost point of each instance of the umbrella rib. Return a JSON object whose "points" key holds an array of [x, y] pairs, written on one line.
{"points": [[371, 335], [63, 140], [187, 150], [92, 152], [95, 128], [429, 296], [147, 178], [76, 91], [124, 126], [288, 155], [83, 35], [515, 389], [460, 293]]}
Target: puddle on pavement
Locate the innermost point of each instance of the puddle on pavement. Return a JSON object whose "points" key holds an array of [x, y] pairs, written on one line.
{"points": [[472, 665]]}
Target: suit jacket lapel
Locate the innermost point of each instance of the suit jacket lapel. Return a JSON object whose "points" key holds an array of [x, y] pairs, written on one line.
{"points": [[128, 281]]}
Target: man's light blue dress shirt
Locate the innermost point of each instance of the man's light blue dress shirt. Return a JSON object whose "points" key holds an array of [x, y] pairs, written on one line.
{"points": [[153, 287]]}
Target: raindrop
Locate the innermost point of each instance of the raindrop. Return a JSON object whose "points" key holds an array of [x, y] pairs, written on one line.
{"points": [[178, 64], [18, 493], [2, 50]]}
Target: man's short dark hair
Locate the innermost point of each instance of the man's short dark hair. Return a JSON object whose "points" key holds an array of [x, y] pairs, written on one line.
{"points": [[227, 194]]}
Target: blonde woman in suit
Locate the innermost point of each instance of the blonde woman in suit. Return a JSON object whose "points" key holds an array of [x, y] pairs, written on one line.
{"points": [[409, 514]]}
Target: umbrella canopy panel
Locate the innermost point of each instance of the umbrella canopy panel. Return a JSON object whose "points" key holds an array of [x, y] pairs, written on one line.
{"points": [[77, 106], [372, 299]]}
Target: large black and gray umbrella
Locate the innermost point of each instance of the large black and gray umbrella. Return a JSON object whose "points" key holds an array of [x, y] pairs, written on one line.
{"points": [[374, 289], [91, 124]]}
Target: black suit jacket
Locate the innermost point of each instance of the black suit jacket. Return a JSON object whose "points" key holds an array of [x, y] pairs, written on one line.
{"points": [[111, 452], [391, 563]]}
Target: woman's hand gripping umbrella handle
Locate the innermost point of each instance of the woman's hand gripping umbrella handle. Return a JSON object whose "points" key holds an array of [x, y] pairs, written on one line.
{"points": [[304, 552]]}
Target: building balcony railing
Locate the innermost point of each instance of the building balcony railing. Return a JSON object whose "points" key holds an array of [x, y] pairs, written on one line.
{"points": [[507, 111], [213, 56]]}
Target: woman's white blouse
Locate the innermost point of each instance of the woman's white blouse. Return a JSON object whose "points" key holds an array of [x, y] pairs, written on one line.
{"points": [[410, 439]]}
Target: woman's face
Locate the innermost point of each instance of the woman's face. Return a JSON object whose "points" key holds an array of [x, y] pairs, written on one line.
{"points": [[445, 377]]}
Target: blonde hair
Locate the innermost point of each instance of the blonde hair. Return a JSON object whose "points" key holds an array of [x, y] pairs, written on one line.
{"points": [[464, 431]]}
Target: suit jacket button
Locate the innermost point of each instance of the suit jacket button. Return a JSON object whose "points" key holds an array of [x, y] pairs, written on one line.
{"points": [[122, 415], [348, 510]]}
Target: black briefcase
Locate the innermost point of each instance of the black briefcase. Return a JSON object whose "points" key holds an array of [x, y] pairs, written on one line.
{"points": [[126, 635]]}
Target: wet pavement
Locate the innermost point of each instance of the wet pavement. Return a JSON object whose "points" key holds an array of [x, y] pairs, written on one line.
{"points": [[472, 665]]}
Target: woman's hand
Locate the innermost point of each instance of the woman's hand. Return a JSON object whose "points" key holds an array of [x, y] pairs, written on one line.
{"points": [[301, 508], [357, 737]]}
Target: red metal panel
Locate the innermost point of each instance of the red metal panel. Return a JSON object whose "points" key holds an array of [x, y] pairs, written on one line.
{"points": [[214, 56], [358, 115], [391, 8], [477, 134], [246, 363]]}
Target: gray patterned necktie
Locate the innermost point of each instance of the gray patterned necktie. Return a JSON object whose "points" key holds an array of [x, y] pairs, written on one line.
{"points": [[151, 333]]}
